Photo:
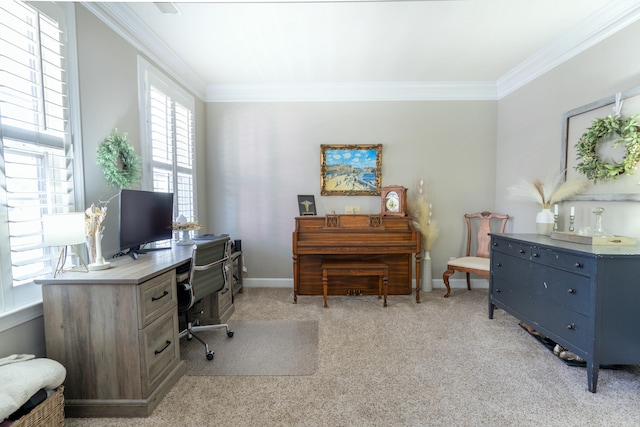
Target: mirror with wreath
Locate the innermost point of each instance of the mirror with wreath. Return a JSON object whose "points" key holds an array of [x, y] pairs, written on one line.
{"points": [[601, 141]]}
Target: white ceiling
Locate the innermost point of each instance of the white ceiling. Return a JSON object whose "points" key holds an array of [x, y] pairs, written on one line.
{"points": [[478, 49]]}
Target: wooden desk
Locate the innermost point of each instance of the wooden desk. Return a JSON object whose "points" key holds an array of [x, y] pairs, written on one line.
{"points": [[390, 240], [116, 333]]}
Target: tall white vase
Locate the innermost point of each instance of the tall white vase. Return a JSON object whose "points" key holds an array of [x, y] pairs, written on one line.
{"points": [[544, 222], [427, 277], [98, 263]]}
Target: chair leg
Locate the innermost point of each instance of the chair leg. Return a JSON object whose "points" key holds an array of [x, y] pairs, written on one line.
{"points": [[468, 282], [189, 332], [445, 279]]}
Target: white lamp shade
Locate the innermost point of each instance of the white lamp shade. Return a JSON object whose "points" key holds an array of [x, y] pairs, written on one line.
{"points": [[63, 229]]}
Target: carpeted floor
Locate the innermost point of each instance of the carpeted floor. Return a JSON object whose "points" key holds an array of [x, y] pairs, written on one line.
{"points": [[438, 363], [258, 347]]}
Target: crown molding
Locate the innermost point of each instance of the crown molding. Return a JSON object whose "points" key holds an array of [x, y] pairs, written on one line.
{"points": [[125, 23], [340, 92], [604, 23], [594, 29]]}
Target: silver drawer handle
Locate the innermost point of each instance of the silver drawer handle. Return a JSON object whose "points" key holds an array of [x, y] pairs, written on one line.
{"points": [[571, 291], [578, 265], [536, 255], [522, 251], [571, 326]]}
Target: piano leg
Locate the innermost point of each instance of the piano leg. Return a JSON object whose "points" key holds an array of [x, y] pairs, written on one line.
{"points": [[418, 258], [325, 286]]}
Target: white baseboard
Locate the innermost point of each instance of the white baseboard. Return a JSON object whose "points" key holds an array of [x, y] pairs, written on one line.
{"points": [[267, 283], [437, 283]]}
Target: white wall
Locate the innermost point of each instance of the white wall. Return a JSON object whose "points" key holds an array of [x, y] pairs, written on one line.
{"points": [[109, 99], [530, 128], [262, 155]]}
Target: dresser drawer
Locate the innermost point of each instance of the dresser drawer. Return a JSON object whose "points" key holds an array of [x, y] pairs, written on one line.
{"points": [[519, 250], [568, 261], [159, 349], [566, 289], [156, 295], [569, 326], [562, 287]]}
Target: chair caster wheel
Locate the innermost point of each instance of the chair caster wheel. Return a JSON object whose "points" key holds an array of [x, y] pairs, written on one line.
{"points": [[230, 334], [210, 355]]}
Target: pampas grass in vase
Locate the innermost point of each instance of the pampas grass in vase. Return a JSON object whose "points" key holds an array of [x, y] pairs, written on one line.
{"points": [[546, 193], [420, 211]]}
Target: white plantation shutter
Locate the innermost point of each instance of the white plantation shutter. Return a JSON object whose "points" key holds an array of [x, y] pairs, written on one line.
{"points": [[36, 154], [167, 113]]}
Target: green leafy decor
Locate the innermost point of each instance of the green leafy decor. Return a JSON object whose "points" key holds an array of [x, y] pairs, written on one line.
{"points": [[120, 165], [604, 129]]}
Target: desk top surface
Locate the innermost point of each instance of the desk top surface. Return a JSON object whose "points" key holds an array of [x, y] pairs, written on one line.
{"points": [[125, 270]]}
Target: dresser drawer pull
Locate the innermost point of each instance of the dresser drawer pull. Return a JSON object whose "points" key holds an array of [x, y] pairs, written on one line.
{"points": [[536, 255], [571, 291], [495, 244], [571, 326], [498, 290], [522, 251], [167, 344], [498, 264], [164, 294], [578, 265]]}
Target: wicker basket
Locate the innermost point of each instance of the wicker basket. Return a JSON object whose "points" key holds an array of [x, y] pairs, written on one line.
{"points": [[49, 413]]}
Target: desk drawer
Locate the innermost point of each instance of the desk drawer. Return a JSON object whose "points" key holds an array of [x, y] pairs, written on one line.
{"points": [[159, 349], [156, 295]]}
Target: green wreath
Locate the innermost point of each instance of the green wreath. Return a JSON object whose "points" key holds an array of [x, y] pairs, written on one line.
{"points": [[601, 130], [120, 165]]}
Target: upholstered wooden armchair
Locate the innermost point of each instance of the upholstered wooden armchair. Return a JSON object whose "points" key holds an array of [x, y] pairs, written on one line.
{"points": [[476, 262]]}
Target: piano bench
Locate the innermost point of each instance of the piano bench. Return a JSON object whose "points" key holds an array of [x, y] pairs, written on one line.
{"points": [[355, 268]]}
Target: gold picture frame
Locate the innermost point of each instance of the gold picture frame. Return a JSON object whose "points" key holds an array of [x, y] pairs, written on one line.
{"points": [[350, 170]]}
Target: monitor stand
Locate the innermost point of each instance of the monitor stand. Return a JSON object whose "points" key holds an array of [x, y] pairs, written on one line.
{"points": [[134, 252]]}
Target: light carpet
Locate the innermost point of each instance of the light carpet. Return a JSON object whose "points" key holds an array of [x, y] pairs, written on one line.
{"points": [[442, 362], [270, 347]]}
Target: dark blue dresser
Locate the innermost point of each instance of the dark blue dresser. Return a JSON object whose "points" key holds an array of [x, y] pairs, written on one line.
{"points": [[585, 298]]}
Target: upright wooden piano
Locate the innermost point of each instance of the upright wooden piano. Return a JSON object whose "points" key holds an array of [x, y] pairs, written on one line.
{"points": [[388, 239]]}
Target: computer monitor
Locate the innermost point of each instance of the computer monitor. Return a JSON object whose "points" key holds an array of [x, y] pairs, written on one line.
{"points": [[145, 217]]}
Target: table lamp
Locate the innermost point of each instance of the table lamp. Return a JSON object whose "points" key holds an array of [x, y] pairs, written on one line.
{"points": [[64, 230]]}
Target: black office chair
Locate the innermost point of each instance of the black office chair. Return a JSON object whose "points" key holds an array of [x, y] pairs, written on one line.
{"points": [[207, 275]]}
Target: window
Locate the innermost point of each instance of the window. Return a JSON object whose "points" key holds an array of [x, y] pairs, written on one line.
{"points": [[169, 143], [36, 154]]}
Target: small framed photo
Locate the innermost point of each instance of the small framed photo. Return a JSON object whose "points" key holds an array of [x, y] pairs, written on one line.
{"points": [[307, 205], [350, 170]]}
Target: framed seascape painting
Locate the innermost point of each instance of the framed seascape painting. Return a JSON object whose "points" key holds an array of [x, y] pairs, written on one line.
{"points": [[350, 170]]}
